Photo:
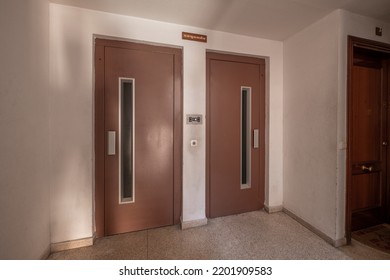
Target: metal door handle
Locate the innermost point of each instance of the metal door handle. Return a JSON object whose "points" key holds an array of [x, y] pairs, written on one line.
{"points": [[366, 168], [255, 138], [111, 143]]}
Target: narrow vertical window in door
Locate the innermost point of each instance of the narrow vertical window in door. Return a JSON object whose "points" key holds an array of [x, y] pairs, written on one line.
{"points": [[245, 137], [126, 138]]}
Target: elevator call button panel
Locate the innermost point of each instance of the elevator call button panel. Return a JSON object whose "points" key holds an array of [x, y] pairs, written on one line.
{"points": [[194, 119]]}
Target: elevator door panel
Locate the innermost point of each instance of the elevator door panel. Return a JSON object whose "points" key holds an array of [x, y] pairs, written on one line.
{"points": [[142, 139], [235, 134]]}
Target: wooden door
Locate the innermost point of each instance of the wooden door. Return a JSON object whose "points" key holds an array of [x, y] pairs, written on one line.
{"points": [[141, 134], [368, 138], [235, 134]]}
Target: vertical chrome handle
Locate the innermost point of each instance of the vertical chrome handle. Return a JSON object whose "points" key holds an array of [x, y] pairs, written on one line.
{"points": [[255, 138], [111, 143]]}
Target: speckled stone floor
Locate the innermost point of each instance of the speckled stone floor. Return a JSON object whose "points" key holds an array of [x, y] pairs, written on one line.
{"points": [[254, 235]]}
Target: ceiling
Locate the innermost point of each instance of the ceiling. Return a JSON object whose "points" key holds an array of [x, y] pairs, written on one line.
{"points": [[271, 19]]}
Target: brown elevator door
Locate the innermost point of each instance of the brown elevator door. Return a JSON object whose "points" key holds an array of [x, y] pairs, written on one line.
{"points": [[235, 134], [369, 141], [139, 106]]}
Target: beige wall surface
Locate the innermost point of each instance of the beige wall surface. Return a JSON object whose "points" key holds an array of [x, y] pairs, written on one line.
{"points": [[24, 126], [47, 134], [314, 124], [310, 123], [71, 60]]}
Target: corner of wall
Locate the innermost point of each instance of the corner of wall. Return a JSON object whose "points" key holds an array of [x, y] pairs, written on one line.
{"points": [[24, 103], [310, 123]]}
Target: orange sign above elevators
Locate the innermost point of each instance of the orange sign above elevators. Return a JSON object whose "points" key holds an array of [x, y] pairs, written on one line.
{"points": [[194, 37]]}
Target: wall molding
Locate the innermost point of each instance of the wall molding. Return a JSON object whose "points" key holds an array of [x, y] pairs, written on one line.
{"points": [[340, 242], [273, 209], [336, 243], [193, 223], [72, 244]]}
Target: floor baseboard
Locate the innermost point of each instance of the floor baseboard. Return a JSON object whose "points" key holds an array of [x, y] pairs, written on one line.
{"points": [[331, 241], [273, 209], [72, 244], [193, 223]]}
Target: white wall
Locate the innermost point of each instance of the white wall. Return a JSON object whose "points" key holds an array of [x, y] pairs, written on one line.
{"points": [[315, 78], [24, 126], [310, 123], [71, 54]]}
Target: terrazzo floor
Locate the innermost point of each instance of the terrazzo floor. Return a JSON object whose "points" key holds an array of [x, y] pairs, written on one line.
{"points": [[253, 235]]}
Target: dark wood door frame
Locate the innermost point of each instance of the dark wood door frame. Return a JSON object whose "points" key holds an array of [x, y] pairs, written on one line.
{"points": [[99, 135], [242, 59], [384, 49]]}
